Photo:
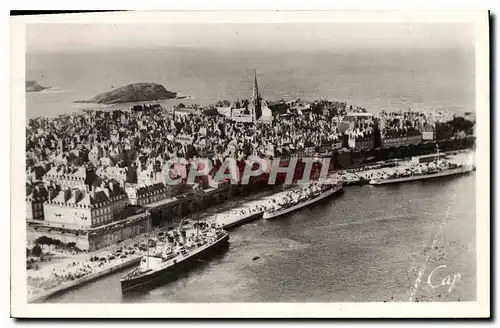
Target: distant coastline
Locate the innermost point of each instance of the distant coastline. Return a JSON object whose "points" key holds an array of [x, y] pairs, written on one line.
{"points": [[137, 92], [33, 86]]}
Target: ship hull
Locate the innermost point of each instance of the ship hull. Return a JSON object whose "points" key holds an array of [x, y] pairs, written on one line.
{"points": [[270, 215], [162, 276], [250, 217], [360, 182], [446, 173]]}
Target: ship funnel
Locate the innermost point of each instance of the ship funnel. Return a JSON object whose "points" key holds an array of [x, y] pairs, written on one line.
{"points": [[170, 241], [182, 237]]}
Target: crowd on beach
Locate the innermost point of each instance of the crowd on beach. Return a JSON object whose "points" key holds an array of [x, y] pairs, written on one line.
{"points": [[38, 281], [83, 264]]}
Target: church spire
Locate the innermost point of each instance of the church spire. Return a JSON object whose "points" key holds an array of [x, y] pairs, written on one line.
{"points": [[255, 95], [256, 107]]}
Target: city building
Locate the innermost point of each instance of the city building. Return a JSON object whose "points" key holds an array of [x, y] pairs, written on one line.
{"points": [[149, 175], [278, 107], [350, 119], [183, 112], [69, 176], [361, 141], [92, 219], [75, 208], [398, 141], [81, 208], [267, 114], [95, 154], [225, 111], [243, 115], [116, 195], [34, 203], [35, 173], [117, 173], [143, 195]]}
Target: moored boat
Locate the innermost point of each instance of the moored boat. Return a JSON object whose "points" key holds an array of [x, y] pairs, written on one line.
{"points": [[432, 166], [182, 252], [297, 199], [463, 169]]}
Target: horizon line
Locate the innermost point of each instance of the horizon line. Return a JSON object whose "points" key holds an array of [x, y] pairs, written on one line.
{"points": [[343, 49]]}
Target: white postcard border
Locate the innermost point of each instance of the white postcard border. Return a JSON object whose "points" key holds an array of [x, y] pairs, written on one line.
{"points": [[480, 308]]}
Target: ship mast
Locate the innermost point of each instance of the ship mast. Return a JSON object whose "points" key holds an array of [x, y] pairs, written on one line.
{"points": [[197, 219], [198, 196], [147, 247]]}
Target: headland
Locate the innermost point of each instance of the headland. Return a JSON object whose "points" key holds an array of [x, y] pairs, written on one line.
{"points": [[33, 86]]}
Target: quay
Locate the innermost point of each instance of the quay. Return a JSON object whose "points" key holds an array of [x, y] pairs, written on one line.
{"points": [[39, 297]]}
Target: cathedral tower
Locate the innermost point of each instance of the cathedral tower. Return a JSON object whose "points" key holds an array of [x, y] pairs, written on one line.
{"points": [[256, 98]]}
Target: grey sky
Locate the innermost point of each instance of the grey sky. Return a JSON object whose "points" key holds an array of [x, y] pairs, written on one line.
{"points": [[260, 37]]}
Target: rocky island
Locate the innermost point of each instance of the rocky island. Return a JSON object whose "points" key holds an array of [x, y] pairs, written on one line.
{"points": [[136, 92], [33, 86]]}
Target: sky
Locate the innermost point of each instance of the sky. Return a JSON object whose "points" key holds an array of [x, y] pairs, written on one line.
{"points": [[56, 38]]}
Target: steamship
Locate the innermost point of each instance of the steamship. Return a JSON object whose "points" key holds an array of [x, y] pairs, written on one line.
{"points": [[437, 167], [296, 199], [441, 171], [184, 249]]}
